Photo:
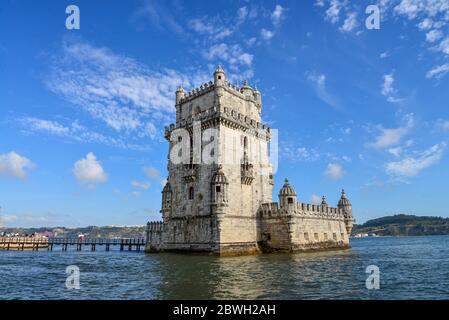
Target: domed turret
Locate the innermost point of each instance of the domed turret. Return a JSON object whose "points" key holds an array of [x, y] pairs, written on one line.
{"points": [[344, 201], [180, 94], [257, 98], [166, 200], [323, 201], [246, 89], [346, 206], [287, 195], [219, 76], [219, 186]]}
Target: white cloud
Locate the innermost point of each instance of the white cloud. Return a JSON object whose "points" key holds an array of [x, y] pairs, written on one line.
{"points": [[444, 46], [75, 131], [15, 165], [388, 89], [233, 54], [242, 14], [126, 96], [89, 171], [319, 82], [266, 34], [315, 199], [433, 35], [425, 24], [141, 185], [276, 16], [333, 12], [350, 22], [384, 55], [389, 137], [410, 166], [438, 71], [395, 151], [392, 136], [334, 171], [198, 25]]}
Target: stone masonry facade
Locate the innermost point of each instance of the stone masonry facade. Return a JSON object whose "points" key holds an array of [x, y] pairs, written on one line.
{"points": [[218, 195]]}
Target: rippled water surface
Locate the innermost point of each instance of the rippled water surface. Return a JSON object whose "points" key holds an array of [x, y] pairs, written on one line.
{"points": [[410, 268]]}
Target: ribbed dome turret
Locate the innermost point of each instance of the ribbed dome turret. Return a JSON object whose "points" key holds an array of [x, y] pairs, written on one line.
{"points": [[287, 190], [344, 201], [219, 177], [323, 201]]}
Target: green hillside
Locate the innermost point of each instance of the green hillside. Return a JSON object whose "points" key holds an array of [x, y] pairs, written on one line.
{"points": [[404, 225]]}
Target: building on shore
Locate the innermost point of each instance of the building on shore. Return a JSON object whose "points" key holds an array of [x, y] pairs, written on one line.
{"points": [[218, 194]]}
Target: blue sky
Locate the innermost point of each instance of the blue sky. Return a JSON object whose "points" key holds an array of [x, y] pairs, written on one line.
{"points": [[82, 111]]}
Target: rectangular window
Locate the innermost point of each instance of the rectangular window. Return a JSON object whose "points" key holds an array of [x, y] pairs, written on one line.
{"points": [[334, 236], [342, 236], [325, 236], [306, 236], [218, 189], [315, 235]]}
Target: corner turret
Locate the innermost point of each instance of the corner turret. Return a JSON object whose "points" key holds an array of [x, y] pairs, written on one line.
{"points": [[219, 76], [180, 94], [246, 89], [167, 196], [219, 188], [346, 206], [287, 195], [257, 99]]}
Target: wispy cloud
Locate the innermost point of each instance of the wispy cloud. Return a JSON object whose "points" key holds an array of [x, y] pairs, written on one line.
{"points": [[334, 171], [319, 83], [278, 14], [350, 22], [438, 71], [388, 89], [388, 137], [412, 165], [73, 130], [125, 95]]}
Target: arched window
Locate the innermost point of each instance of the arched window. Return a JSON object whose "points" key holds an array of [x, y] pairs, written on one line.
{"points": [[191, 193]]}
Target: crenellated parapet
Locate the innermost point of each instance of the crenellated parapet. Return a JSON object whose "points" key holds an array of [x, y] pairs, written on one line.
{"points": [[228, 117], [196, 92], [155, 226], [272, 210]]}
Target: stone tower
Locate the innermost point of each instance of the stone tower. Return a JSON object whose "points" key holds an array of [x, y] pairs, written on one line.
{"points": [[211, 198], [218, 195]]}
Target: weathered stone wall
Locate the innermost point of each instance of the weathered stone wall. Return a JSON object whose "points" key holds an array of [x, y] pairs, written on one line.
{"points": [[296, 229]]}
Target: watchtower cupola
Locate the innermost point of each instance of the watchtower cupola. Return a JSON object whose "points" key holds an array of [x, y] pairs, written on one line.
{"points": [[219, 76], [287, 195], [219, 188]]}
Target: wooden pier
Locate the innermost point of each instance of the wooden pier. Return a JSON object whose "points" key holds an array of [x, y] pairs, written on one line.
{"points": [[35, 244]]}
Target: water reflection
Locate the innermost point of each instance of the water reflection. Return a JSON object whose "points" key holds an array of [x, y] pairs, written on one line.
{"points": [[411, 268]]}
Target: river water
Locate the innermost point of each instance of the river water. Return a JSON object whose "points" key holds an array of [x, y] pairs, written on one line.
{"points": [[410, 268]]}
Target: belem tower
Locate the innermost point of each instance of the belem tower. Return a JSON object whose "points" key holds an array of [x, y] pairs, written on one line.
{"points": [[225, 206]]}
